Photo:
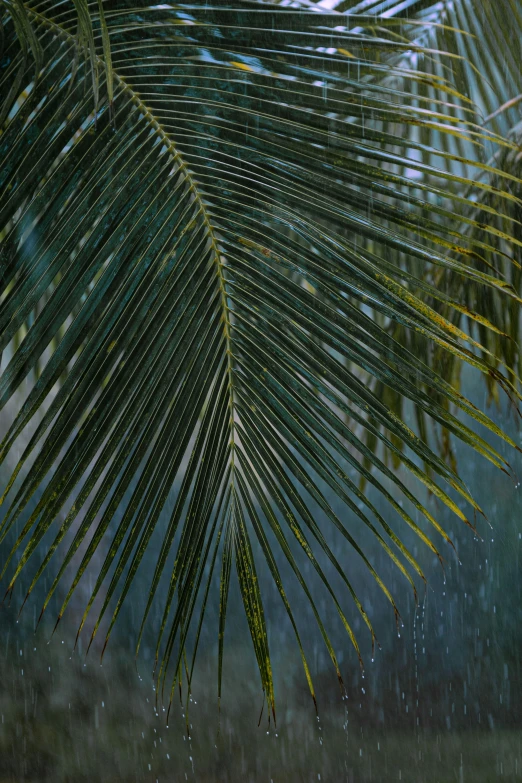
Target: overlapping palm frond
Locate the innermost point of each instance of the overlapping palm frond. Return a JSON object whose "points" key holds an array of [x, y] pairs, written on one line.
{"points": [[210, 205], [491, 48], [485, 44]]}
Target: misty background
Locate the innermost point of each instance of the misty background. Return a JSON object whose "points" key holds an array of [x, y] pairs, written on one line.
{"points": [[439, 702]]}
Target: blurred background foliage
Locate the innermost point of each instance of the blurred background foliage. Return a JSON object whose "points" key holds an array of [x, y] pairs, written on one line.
{"points": [[440, 702]]}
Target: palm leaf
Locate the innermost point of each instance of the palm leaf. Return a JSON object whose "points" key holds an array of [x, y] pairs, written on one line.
{"points": [[230, 261]]}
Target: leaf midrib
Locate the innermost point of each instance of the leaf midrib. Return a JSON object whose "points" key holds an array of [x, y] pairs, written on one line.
{"points": [[177, 158]]}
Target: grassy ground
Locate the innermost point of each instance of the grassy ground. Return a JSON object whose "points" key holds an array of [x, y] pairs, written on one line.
{"points": [[76, 723]]}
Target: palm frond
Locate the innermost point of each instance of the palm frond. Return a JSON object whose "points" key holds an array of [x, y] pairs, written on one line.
{"points": [[477, 36], [218, 222]]}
